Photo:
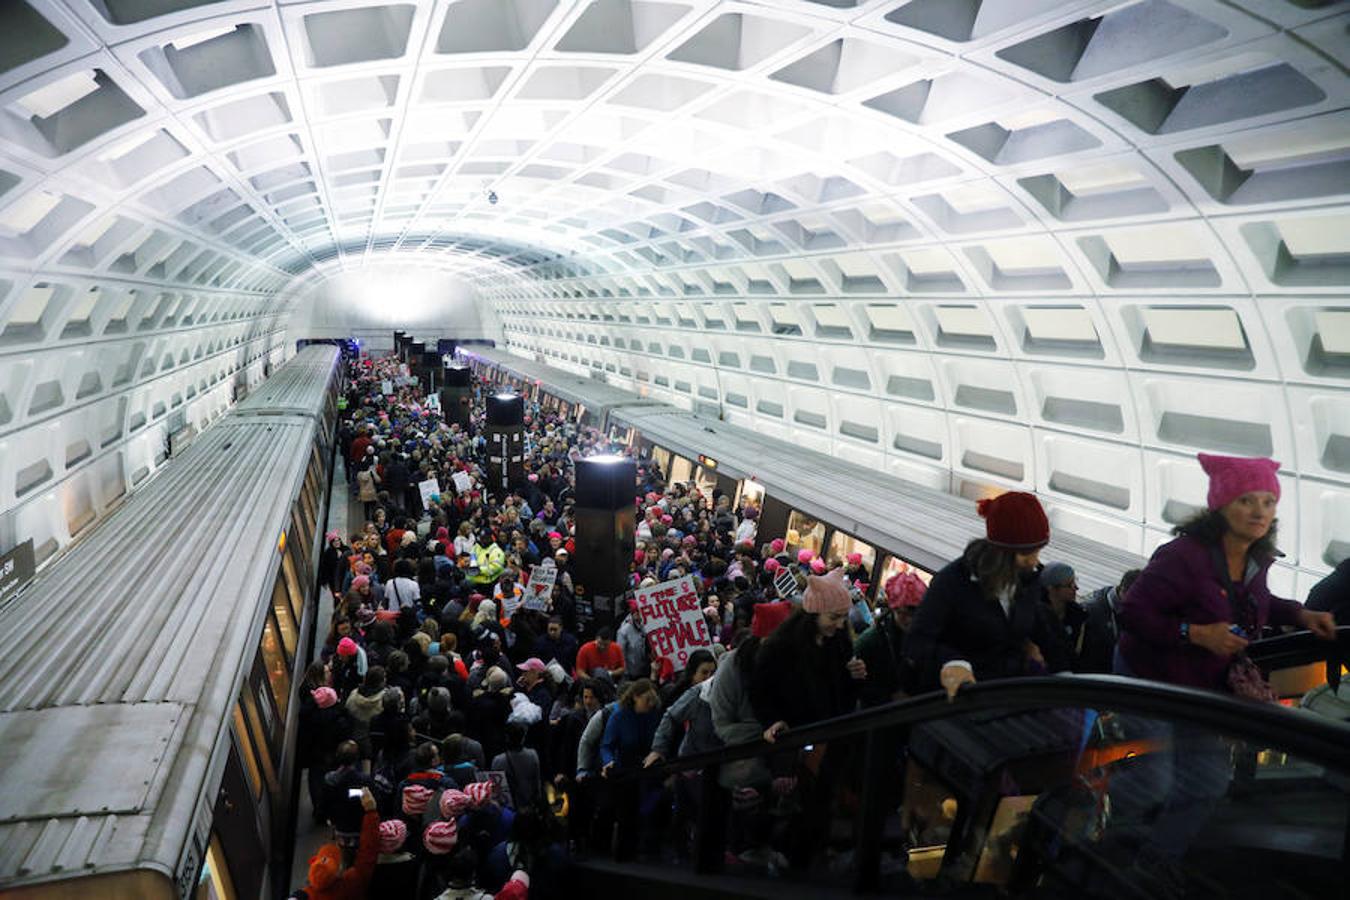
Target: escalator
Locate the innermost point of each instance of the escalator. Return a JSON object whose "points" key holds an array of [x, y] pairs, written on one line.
{"points": [[1061, 787]]}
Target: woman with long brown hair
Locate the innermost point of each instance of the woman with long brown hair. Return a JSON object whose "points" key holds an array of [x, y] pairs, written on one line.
{"points": [[981, 617]]}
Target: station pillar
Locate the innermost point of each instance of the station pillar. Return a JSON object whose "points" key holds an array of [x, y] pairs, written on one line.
{"points": [[456, 395], [606, 536], [505, 433]]}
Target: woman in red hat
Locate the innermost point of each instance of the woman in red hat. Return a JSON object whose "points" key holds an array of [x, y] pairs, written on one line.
{"points": [[981, 618]]}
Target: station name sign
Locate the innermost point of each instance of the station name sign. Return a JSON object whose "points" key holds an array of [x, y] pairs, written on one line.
{"points": [[17, 568]]}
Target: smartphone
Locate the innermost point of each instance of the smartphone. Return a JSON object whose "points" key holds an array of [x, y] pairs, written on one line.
{"points": [[354, 793]]}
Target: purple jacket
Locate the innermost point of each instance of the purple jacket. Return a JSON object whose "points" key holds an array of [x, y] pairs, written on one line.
{"points": [[1179, 584]]}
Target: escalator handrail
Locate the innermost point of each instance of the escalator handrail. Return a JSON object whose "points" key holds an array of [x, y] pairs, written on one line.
{"points": [[1299, 644], [1301, 648], [1318, 740]]}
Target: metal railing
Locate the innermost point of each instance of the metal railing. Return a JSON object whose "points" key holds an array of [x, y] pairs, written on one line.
{"points": [[1320, 741]]}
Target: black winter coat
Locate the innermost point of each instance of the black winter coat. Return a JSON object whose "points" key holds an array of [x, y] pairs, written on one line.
{"points": [[798, 681], [957, 621]]}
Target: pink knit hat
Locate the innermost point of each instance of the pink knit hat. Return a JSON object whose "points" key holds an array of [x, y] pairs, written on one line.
{"points": [[805, 556], [440, 837], [826, 593], [324, 697], [415, 799], [818, 566], [393, 832], [904, 589], [777, 545], [1232, 476], [346, 647], [772, 565], [360, 581], [854, 559], [454, 803]]}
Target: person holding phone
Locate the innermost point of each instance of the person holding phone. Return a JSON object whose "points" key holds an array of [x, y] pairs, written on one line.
{"points": [[1203, 596], [328, 879], [1186, 620]]}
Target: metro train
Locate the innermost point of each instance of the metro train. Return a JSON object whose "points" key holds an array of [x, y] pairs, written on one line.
{"points": [[148, 715], [816, 501]]}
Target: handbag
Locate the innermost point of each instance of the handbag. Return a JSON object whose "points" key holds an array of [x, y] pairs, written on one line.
{"points": [[1243, 678]]}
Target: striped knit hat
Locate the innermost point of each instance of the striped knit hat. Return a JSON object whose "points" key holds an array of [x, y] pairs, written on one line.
{"points": [[454, 803], [393, 832], [440, 837], [415, 799], [480, 792]]}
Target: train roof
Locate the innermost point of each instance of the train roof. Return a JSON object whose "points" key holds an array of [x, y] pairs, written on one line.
{"points": [[124, 661], [595, 395], [296, 388], [925, 526]]}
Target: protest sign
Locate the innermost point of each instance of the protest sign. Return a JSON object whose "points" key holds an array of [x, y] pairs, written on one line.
{"points": [[386, 387], [428, 489], [463, 483], [510, 604], [672, 620], [785, 583], [539, 590]]}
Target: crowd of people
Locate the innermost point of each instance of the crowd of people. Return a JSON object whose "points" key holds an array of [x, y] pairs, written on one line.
{"points": [[461, 743]]}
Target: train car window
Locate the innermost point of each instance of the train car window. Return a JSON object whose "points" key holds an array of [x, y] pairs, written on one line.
{"points": [[285, 616], [301, 536], [274, 663], [841, 545], [805, 532], [249, 753], [894, 565], [309, 492], [749, 493], [293, 587], [680, 470], [214, 882], [706, 479], [661, 456]]}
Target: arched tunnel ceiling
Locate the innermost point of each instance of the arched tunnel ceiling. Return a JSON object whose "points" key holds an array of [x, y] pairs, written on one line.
{"points": [[1047, 243]]}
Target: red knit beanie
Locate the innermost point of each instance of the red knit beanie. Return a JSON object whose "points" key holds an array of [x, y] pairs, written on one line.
{"points": [[1015, 521], [768, 616]]}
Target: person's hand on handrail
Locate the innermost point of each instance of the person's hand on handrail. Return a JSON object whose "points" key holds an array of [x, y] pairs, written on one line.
{"points": [[953, 675], [1322, 624]]}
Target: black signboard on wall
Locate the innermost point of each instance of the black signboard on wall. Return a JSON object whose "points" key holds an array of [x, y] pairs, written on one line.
{"points": [[16, 569]]}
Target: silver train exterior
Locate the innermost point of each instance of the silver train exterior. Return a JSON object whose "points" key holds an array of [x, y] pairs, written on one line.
{"points": [[148, 700]]}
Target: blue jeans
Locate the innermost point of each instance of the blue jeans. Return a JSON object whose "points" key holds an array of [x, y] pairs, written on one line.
{"points": [[1189, 774]]}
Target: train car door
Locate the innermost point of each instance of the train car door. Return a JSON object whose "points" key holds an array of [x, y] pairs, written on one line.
{"points": [[235, 837], [773, 519]]}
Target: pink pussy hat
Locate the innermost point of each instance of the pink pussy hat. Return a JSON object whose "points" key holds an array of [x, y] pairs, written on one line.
{"points": [[1232, 476], [826, 593]]}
